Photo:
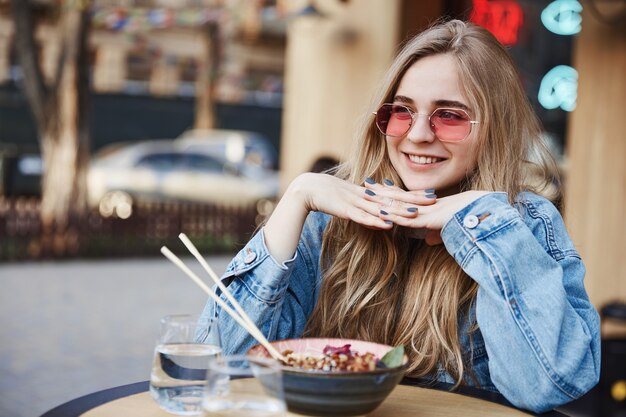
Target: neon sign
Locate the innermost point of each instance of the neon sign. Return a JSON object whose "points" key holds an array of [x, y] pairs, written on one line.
{"points": [[562, 17], [502, 18], [558, 88]]}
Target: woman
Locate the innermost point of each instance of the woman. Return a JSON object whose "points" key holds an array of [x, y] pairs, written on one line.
{"points": [[437, 234]]}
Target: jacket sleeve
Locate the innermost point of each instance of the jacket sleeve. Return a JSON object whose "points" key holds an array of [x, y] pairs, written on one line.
{"points": [[278, 297], [541, 333]]}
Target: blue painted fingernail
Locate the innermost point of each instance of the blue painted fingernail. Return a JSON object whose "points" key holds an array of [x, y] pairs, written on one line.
{"points": [[430, 191], [383, 212], [388, 182], [388, 222], [412, 209], [431, 196], [370, 192], [370, 181]]}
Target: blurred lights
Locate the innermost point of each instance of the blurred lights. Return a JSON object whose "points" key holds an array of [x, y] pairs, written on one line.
{"points": [[502, 18], [134, 19], [116, 204], [265, 207], [618, 390], [235, 150], [562, 17], [123, 210], [30, 165]]}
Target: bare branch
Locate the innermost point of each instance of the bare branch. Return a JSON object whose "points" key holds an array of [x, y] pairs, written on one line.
{"points": [[26, 47]]}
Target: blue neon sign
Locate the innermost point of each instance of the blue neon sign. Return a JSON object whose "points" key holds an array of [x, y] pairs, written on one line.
{"points": [[558, 88], [562, 17]]}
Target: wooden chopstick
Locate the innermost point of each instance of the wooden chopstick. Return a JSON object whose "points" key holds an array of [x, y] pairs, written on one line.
{"points": [[194, 251], [248, 325], [242, 313]]}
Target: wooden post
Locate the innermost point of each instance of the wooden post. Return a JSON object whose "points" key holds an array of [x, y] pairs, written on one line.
{"points": [[333, 63], [595, 197]]}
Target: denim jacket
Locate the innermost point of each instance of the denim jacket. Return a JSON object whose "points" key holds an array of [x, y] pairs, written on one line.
{"points": [[538, 341]]}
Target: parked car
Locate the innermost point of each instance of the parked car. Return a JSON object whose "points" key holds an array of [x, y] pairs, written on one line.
{"points": [[237, 146], [183, 170]]}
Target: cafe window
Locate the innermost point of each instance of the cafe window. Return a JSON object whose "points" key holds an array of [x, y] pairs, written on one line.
{"points": [[139, 65], [188, 69], [264, 87], [188, 74]]}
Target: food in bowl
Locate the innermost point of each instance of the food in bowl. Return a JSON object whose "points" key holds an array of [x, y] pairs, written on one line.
{"points": [[334, 359], [336, 393]]}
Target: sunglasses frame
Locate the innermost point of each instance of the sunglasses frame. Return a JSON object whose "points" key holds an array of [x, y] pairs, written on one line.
{"points": [[414, 114]]}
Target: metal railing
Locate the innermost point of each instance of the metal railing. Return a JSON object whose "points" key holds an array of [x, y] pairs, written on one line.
{"points": [[214, 229]]}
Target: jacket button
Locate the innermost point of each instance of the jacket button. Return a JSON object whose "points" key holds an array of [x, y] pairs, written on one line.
{"points": [[470, 221], [250, 256]]}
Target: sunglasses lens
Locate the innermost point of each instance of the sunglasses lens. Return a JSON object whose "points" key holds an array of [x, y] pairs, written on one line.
{"points": [[393, 120], [450, 124]]}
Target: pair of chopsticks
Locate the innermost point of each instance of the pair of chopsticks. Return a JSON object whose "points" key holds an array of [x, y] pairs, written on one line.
{"points": [[240, 315]]}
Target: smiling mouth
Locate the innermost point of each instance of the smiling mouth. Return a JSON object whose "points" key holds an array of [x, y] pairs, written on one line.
{"points": [[424, 160]]}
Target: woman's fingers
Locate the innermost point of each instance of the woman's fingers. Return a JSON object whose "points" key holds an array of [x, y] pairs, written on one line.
{"points": [[394, 200], [368, 219], [367, 212], [435, 216], [416, 209], [351, 205], [394, 193]]}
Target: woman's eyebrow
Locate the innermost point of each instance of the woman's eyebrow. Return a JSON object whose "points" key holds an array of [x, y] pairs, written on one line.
{"points": [[451, 103], [403, 99], [438, 103]]}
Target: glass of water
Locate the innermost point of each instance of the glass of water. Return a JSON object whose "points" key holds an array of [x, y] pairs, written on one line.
{"points": [[242, 385], [186, 345]]}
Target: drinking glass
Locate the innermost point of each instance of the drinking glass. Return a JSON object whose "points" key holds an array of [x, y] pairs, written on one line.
{"points": [[242, 385], [186, 345]]}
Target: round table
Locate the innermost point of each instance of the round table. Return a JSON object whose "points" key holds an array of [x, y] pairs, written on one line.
{"points": [[410, 399]]}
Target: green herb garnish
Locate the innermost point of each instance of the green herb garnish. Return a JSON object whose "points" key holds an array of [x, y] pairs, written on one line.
{"points": [[394, 357]]}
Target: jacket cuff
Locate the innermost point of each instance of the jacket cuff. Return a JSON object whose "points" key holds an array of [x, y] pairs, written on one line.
{"points": [[269, 278], [476, 221]]}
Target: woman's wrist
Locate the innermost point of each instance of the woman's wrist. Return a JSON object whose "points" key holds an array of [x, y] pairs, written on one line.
{"points": [[282, 230], [298, 193]]}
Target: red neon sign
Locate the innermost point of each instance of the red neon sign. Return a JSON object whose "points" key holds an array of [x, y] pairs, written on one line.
{"points": [[503, 18]]}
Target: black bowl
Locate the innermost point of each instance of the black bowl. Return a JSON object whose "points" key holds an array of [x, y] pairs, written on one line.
{"points": [[334, 393]]}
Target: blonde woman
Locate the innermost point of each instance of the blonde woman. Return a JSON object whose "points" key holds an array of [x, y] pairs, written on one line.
{"points": [[437, 234]]}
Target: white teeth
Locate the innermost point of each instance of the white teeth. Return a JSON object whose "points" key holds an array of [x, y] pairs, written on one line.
{"points": [[424, 160]]}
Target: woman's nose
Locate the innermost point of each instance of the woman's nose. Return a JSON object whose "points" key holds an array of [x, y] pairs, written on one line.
{"points": [[420, 130]]}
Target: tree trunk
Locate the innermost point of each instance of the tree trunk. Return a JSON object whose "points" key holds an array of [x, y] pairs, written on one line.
{"points": [[205, 83], [65, 137], [60, 110]]}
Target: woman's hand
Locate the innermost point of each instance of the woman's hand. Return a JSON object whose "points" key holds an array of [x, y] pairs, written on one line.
{"points": [[398, 206], [339, 198], [318, 192]]}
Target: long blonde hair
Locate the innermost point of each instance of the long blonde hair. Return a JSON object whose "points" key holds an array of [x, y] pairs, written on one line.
{"points": [[388, 288]]}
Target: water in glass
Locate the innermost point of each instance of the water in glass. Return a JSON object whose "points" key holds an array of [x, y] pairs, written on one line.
{"points": [[179, 368], [244, 386]]}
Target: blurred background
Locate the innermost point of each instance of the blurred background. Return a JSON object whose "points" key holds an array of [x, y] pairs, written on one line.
{"points": [[126, 122]]}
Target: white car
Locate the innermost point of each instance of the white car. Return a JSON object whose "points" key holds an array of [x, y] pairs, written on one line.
{"points": [[183, 170], [237, 146]]}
